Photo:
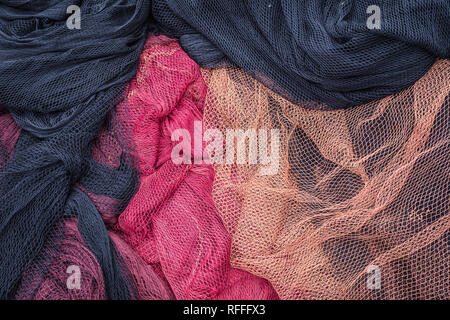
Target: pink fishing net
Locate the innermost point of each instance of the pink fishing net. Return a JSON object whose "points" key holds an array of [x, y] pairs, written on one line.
{"points": [[358, 208], [171, 221], [8, 137]]}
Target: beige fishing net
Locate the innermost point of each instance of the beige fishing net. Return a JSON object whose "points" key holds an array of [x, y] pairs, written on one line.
{"points": [[359, 206]]}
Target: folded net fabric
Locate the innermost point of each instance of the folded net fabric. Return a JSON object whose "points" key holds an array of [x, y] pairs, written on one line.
{"points": [[59, 84], [317, 53], [62, 248], [46, 278], [357, 190], [9, 133], [172, 222]]}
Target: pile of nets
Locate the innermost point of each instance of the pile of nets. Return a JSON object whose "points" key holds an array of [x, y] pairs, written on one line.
{"points": [[109, 189], [172, 222], [58, 85], [169, 239]]}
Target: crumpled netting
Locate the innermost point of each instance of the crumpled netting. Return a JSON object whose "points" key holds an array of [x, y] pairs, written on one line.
{"points": [[149, 282], [356, 188], [317, 53], [171, 221], [59, 84], [46, 277], [9, 134]]}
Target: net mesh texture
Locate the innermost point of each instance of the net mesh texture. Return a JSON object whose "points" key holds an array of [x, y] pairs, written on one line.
{"points": [[172, 221], [356, 189], [170, 241], [320, 54], [356, 208]]}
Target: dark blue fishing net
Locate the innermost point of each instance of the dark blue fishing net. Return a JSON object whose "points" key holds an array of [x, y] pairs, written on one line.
{"points": [[325, 54], [59, 84]]}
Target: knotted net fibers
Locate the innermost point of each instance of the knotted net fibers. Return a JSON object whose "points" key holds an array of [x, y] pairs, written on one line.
{"points": [[321, 54], [359, 206], [59, 84]]}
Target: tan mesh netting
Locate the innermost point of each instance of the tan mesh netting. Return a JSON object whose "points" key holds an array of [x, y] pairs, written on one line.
{"points": [[356, 189]]}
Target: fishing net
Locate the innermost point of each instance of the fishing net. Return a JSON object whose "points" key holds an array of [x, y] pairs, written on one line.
{"points": [[48, 277], [171, 221], [357, 207], [352, 204], [9, 134], [59, 84], [176, 245], [321, 54]]}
